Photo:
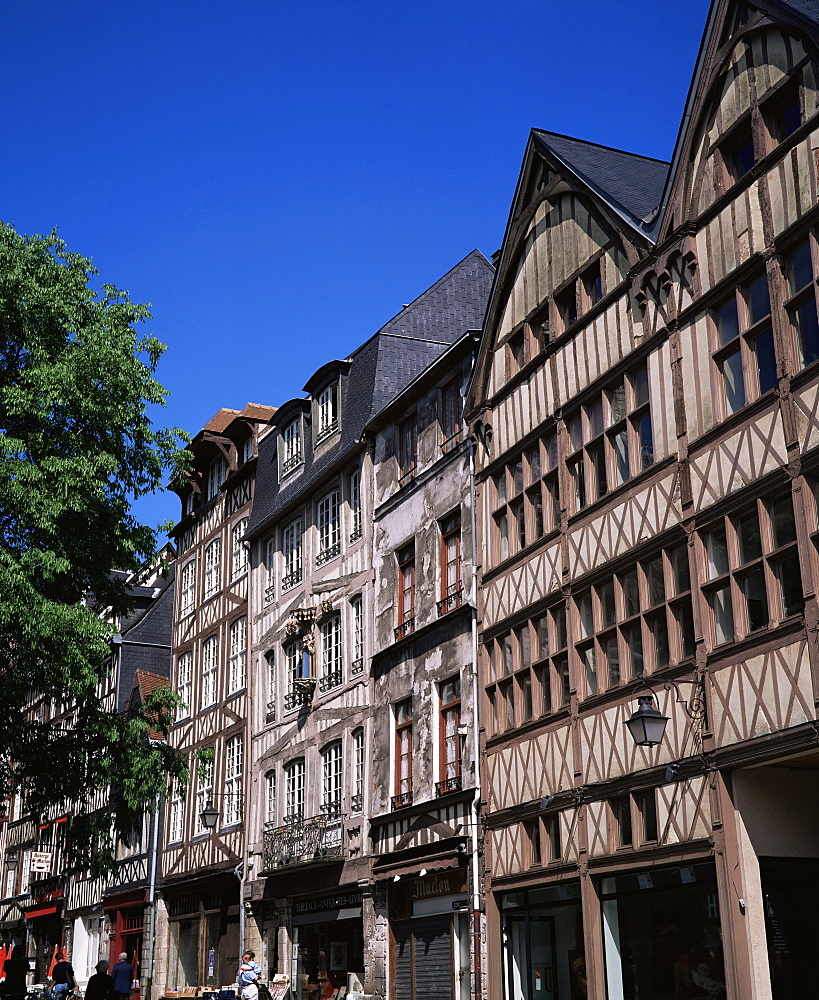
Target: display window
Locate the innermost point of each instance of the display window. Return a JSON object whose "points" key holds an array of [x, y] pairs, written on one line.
{"points": [[323, 956], [543, 957], [661, 934]]}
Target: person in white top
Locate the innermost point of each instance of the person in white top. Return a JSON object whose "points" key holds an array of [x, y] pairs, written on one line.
{"points": [[249, 974]]}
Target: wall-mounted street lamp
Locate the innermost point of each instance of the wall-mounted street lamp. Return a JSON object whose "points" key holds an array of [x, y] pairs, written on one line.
{"points": [[11, 862], [209, 815], [647, 725]]}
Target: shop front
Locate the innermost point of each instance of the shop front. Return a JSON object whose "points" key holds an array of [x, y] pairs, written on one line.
{"points": [[126, 913], [429, 923], [327, 944], [203, 942], [44, 917]]}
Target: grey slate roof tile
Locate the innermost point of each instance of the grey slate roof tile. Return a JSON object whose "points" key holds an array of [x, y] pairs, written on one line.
{"points": [[383, 366]]}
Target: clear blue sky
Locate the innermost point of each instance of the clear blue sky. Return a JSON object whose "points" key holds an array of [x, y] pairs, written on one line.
{"points": [[277, 179]]}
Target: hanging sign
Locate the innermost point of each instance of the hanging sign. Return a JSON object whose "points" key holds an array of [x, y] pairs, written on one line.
{"points": [[40, 861]]}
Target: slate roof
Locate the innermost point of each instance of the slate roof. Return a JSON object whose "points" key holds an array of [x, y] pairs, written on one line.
{"points": [[807, 8], [383, 366], [635, 182]]}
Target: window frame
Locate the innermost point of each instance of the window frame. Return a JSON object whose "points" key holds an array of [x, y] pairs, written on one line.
{"points": [[407, 448], [332, 656], [451, 578], [239, 566], [354, 497], [403, 719], [328, 526], [405, 558], [327, 412], [213, 569], [292, 553], [187, 588], [332, 781], [291, 446], [209, 686], [796, 299], [294, 785], [450, 750], [451, 417], [357, 623], [238, 655], [234, 773], [184, 684]]}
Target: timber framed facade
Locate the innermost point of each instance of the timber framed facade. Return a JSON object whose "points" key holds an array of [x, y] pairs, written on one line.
{"points": [[645, 407]]}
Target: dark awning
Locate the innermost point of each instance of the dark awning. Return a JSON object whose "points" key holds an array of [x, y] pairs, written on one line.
{"points": [[41, 911], [449, 853]]}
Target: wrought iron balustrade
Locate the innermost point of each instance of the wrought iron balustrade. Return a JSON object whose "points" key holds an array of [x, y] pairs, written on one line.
{"points": [[451, 600], [292, 579], [356, 803], [330, 680], [452, 784], [293, 462], [294, 699], [355, 534], [399, 801], [406, 626], [356, 667], [303, 841], [327, 554], [326, 431]]}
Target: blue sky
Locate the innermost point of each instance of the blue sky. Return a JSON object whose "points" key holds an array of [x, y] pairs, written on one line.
{"points": [[277, 179]]}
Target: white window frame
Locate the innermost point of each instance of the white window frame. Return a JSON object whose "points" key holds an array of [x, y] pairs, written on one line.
{"points": [[328, 527], [291, 447], [210, 663], [234, 764], [187, 588], [355, 505], [357, 801], [327, 407], [176, 818], [270, 570], [213, 568], [184, 683], [270, 797], [247, 449], [238, 655], [331, 653], [332, 758], [292, 543], [217, 473], [204, 793], [240, 553], [357, 615], [294, 789]]}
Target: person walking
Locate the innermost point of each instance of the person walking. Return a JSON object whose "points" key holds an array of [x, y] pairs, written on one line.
{"points": [[123, 975], [15, 971], [249, 974], [100, 985], [62, 978]]}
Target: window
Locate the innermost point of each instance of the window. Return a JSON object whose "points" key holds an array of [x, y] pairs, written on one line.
{"points": [[592, 284], [296, 665], [294, 791], [403, 754], [450, 747], [331, 784], [213, 563], [247, 449], [217, 471], [406, 591], [516, 352], [451, 585], [328, 528], [270, 798], [621, 815], [187, 588], [610, 439], [647, 808], [204, 793], [744, 348], [450, 415], [234, 755], [738, 153], [239, 550], [355, 505], [580, 296], [357, 801], [752, 569], [291, 446], [783, 114], [330, 653], [270, 570], [801, 305], [566, 303], [209, 663], [357, 609], [176, 817], [291, 553], [526, 499], [406, 449], [553, 838], [638, 619], [184, 684], [270, 657], [327, 411], [238, 653], [533, 836]]}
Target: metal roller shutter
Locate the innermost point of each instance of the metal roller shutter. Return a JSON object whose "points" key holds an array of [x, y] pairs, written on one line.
{"points": [[403, 960], [433, 957]]}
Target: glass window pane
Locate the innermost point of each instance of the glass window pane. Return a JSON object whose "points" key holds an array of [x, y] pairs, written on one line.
{"points": [[800, 267], [559, 623], [640, 383], [759, 299], [562, 670], [542, 626], [597, 455], [545, 691], [756, 600], [608, 609], [782, 522], [723, 615], [584, 611], [727, 322], [526, 697], [578, 473], [575, 432], [654, 581], [646, 436], [590, 669], [617, 402], [750, 540], [595, 416], [659, 632], [763, 348], [716, 547], [534, 465], [631, 593], [808, 329], [613, 659], [733, 382], [500, 487], [620, 444], [685, 623], [634, 641], [680, 568], [790, 582], [508, 655], [789, 120]]}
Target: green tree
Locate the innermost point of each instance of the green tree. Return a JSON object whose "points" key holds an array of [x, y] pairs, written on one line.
{"points": [[76, 447]]}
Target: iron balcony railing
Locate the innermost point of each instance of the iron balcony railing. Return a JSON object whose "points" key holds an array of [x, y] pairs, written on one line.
{"points": [[406, 626], [357, 667], [329, 680], [327, 430], [452, 784], [293, 462], [303, 841], [290, 580], [452, 600], [327, 554], [399, 801]]}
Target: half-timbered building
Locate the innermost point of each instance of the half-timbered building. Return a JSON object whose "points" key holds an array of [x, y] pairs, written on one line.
{"points": [[198, 920], [645, 407], [319, 916], [424, 812]]}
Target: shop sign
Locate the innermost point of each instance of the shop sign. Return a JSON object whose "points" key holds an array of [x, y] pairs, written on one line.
{"points": [[40, 861], [339, 902], [211, 962], [443, 883]]}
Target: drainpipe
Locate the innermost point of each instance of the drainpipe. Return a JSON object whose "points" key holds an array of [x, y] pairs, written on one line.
{"points": [[239, 872], [476, 873], [152, 900]]}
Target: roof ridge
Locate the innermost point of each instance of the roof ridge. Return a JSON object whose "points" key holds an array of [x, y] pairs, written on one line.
{"points": [[600, 145]]}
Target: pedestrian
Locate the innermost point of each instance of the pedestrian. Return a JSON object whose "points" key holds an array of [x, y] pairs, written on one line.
{"points": [[249, 974], [62, 978], [101, 985], [15, 970], [123, 973]]}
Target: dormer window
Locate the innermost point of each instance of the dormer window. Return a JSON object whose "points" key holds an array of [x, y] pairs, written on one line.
{"points": [[247, 450], [217, 471], [291, 446], [327, 411]]}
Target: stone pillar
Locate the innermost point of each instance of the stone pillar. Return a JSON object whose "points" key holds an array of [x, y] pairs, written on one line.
{"points": [[253, 930], [376, 937], [162, 941], [283, 907]]}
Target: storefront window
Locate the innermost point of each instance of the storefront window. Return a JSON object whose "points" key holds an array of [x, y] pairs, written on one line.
{"points": [[184, 965], [543, 956], [661, 934], [789, 889]]}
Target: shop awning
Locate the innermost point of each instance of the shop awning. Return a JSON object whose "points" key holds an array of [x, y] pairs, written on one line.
{"points": [[414, 860], [41, 911]]}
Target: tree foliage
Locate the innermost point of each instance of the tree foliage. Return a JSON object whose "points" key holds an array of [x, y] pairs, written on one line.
{"points": [[76, 446]]}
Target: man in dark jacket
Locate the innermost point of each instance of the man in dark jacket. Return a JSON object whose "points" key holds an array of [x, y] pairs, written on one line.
{"points": [[101, 985], [123, 973], [63, 976]]}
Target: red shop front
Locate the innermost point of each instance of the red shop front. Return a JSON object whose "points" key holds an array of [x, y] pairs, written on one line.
{"points": [[127, 913]]}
